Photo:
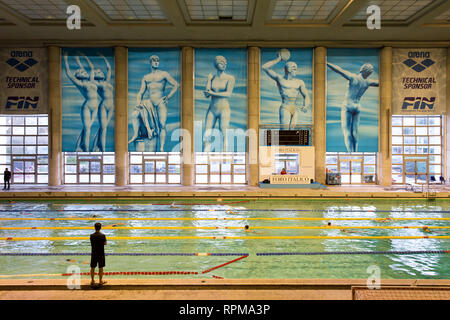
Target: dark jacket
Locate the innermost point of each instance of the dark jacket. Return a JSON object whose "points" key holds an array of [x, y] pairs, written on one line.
{"points": [[6, 175]]}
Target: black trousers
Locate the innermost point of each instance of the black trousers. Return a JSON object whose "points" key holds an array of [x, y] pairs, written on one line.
{"points": [[6, 182]]}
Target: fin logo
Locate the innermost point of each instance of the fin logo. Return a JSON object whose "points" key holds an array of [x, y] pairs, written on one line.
{"points": [[418, 66], [21, 66], [22, 102], [418, 103]]}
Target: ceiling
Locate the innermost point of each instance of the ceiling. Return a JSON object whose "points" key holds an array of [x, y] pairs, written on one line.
{"points": [[301, 22]]}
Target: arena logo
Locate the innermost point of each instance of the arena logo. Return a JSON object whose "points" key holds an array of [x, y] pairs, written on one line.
{"points": [[418, 66], [19, 65], [22, 102], [418, 103]]}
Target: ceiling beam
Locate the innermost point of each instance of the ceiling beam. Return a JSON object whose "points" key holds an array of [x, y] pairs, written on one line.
{"points": [[351, 8], [173, 12], [260, 12], [13, 16], [89, 13], [428, 17]]}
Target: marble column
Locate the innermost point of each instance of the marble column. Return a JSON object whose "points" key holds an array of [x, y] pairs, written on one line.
{"points": [[55, 121], [121, 115], [319, 112], [187, 114], [385, 159], [446, 150], [253, 93]]}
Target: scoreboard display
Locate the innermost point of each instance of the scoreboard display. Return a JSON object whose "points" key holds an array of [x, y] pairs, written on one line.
{"points": [[287, 137]]}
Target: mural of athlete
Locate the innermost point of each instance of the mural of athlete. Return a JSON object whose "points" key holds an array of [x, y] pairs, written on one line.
{"points": [[219, 88], [105, 90], [87, 86], [150, 115], [289, 87], [350, 110]]}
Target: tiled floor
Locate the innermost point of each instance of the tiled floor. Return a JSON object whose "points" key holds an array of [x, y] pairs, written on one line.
{"points": [[229, 191]]}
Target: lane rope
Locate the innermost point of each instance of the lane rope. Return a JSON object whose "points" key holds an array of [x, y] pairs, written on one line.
{"points": [[223, 218], [218, 209], [351, 252], [220, 238], [120, 254], [223, 228], [224, 264], [132, 273]]}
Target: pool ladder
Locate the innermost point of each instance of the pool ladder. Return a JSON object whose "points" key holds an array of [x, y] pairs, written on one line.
{"points": [[431, 192]]}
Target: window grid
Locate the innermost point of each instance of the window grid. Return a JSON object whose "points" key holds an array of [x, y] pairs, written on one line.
{"points": [[89, 168], [354, 167], [415, 138], [220, 168], [24, 148], [155, 167]]}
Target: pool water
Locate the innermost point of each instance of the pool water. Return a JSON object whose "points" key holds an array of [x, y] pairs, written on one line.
{"points": [[195, 224]]}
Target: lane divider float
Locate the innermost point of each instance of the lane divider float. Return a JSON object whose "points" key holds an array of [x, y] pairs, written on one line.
{"points": [[221, 238], [350, 252]]}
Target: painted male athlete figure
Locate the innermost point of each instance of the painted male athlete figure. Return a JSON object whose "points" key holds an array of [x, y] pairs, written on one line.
{"points": [[290, 88], [152, 112], [350, 111]]}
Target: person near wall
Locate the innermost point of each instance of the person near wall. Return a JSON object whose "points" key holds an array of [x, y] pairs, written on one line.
{"points": [[6, 178]]}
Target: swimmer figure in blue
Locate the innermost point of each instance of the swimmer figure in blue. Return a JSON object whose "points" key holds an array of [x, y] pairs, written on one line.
{"points": [[219, 88], [350, 111], [106, 108], [87, 86], [150, 115], [289, 87]]}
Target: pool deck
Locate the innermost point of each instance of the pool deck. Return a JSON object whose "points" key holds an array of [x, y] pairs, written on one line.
{"points": [[207, 289], [225, 191]]}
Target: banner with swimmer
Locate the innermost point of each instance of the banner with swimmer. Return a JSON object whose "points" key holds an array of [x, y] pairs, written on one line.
{"points": [[220, 100], [352, 100], [154, 95], [419, 81], [286, 88], [87, 99], [23, 84]]}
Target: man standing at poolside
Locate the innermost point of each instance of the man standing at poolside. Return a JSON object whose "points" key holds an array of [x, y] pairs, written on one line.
{"points": [[98, 242], [150, 115], [6, 178]]}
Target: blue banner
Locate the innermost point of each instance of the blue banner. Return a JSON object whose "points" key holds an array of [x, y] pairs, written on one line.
{"points": [[220, 100], [154, 100], [286, 88], [87, 99], [352, 100]]}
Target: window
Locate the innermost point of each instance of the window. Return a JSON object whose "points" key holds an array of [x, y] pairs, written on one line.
{"points": [[220, 168], [155, 167], [89, 168], [289, 162], [24, 148], [354, 167], [417, 144]]}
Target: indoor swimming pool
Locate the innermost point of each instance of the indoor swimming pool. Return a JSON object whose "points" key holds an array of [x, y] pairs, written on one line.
{"points": [[194, 239]]}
